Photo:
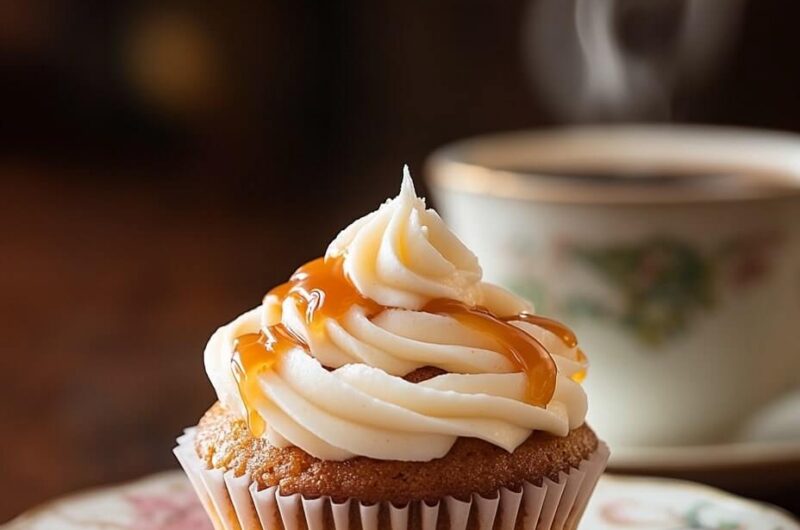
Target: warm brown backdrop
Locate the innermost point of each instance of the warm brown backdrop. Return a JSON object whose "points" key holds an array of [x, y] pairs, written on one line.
{"points": [[138, 211]]}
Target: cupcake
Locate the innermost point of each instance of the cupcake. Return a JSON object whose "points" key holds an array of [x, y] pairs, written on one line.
{"points": [[386, 385]]}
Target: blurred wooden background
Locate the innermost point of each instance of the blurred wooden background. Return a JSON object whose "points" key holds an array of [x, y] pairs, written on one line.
{"points": [[146, 199]]}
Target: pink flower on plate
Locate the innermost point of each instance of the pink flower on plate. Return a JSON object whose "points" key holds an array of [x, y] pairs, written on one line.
{"points": [[637, 514], [169, 510], [176, 511], [630, 512]]}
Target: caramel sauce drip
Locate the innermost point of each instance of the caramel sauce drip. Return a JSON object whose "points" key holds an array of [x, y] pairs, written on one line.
{"points": [[250, 356], [555, 327], [579, 376], [526, 353], [558, 329], [321, 290]]}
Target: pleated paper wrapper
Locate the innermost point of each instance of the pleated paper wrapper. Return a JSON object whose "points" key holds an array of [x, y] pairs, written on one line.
{"points": [[235, 503]]}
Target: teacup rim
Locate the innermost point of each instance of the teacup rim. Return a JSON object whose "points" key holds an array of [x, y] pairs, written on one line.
{"points": [[457, 166]]}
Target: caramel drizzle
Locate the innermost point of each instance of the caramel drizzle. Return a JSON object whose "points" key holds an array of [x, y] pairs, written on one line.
{"points": [[321, 287], [321, 290], [526, 353], [560, 330], [251, 355]]}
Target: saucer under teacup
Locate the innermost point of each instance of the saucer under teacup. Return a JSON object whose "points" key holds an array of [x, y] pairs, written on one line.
{"points": [[746, 467]]}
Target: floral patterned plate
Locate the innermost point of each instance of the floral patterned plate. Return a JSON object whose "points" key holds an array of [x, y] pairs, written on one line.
{"points": [[166, 502]]}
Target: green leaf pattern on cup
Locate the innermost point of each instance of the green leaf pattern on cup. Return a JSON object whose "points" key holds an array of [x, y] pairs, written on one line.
{"points": [[663, 282]]}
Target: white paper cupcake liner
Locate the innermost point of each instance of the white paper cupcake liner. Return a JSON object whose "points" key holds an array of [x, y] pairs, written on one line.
{"points": [[235, 503]]}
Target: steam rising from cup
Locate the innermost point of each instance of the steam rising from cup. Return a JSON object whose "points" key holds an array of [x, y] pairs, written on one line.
{"points": [[623, 60]]}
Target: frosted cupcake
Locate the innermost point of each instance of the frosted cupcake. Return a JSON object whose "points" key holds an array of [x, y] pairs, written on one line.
{"points": [[387, 386]]}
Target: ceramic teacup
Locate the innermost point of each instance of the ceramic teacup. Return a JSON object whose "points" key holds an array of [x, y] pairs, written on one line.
{"points": [[673, 252]]}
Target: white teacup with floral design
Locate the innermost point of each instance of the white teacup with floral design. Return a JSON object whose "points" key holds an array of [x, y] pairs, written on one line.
{"points": [[673, 252]]}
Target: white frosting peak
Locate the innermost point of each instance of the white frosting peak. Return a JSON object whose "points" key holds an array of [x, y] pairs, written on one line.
{"points": [[401, 256]]}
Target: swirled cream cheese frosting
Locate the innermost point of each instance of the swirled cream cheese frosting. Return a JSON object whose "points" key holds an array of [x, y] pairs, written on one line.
{"points": [[326, 362]]}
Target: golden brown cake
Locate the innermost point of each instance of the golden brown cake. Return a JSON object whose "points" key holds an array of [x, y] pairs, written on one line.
{"points": [[471, 466]]}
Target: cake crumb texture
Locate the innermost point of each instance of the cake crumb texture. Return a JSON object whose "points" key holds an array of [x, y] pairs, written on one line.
{"points": [[472, 466]]}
